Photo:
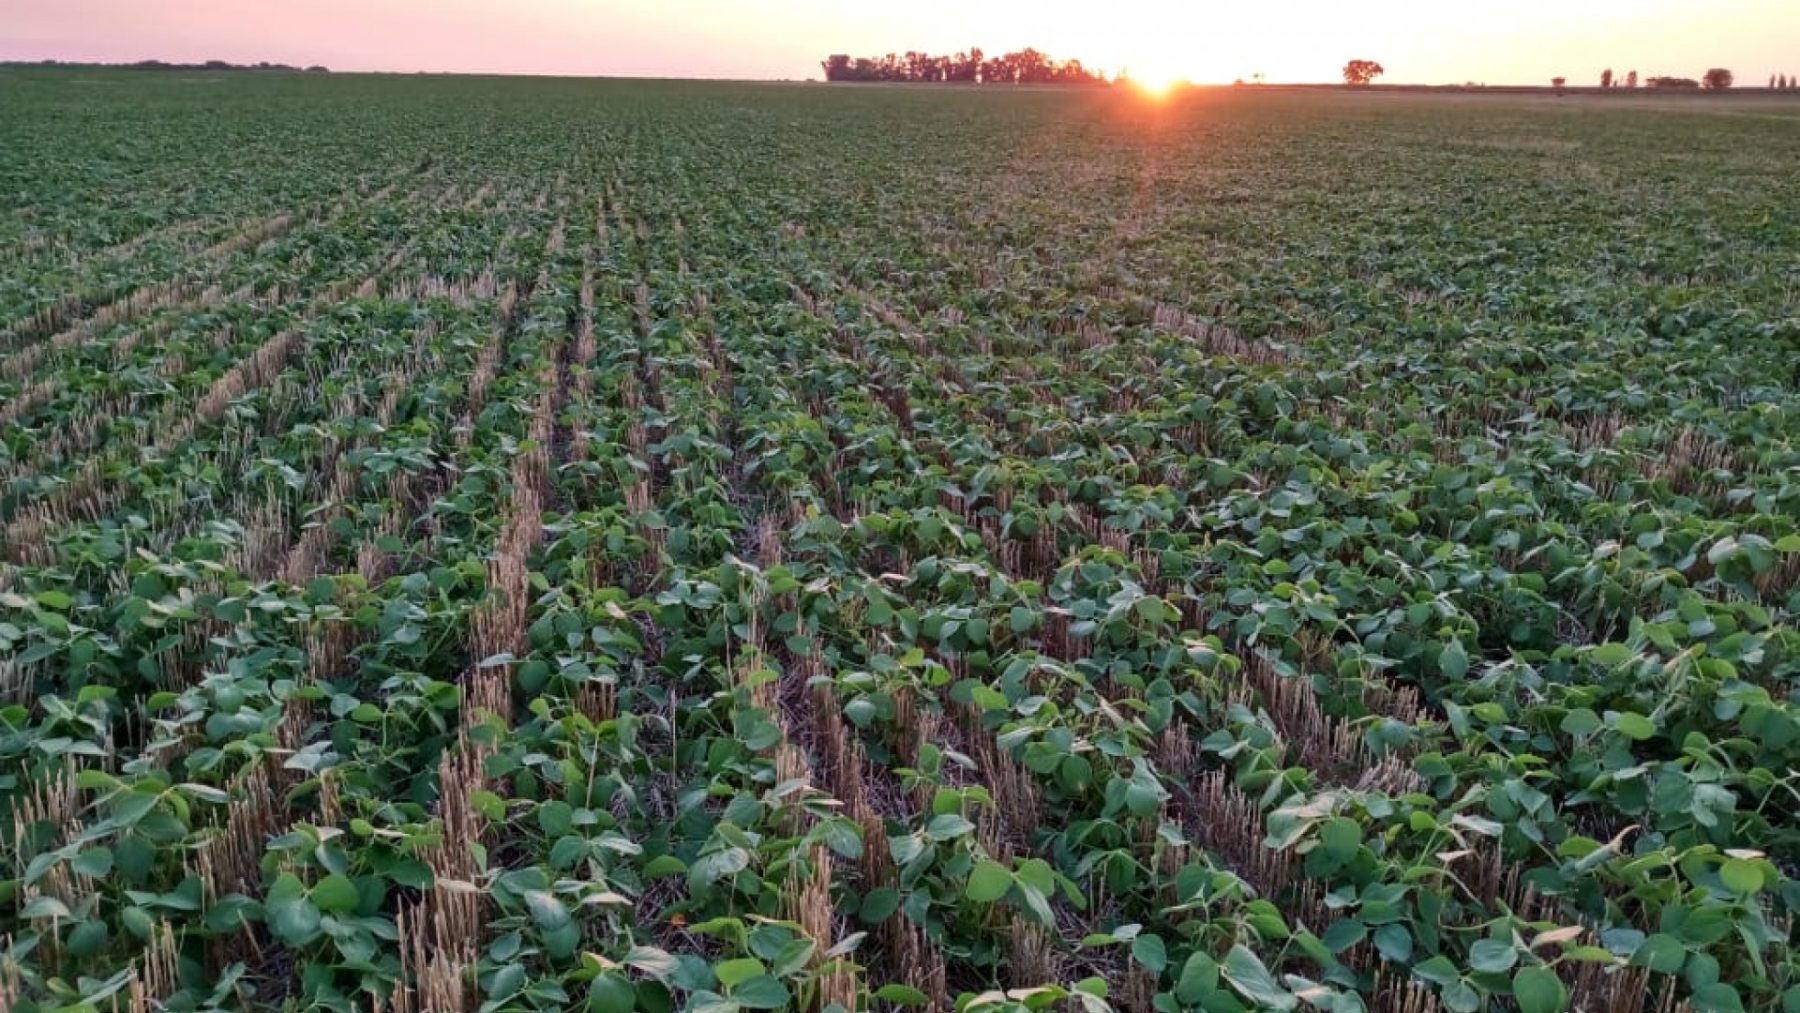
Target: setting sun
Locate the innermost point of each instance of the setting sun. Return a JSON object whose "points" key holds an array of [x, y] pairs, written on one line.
{"points": [[1157, 67], [1156, 84]]}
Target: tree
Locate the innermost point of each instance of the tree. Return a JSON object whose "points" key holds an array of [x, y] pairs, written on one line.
{"points": [[1717, 79], [1358, 73], [1033, 66], [1631, 80], [1558, 82], [965, 66], [1606, 78]]}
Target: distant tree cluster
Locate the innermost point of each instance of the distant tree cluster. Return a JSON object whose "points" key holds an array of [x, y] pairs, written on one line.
{"points": [[1715, 79], [164, 65], [1027, 66], [1359, 73]]}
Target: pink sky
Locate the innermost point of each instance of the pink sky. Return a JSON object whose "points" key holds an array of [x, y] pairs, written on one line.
{"points": [[1525, 41]]}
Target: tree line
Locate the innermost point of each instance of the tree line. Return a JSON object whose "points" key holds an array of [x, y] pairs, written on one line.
{"points": [[1027, 66], [165, 65], [1715, 79], [1360, 73]]}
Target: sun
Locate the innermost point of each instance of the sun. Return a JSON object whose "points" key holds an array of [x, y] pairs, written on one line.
{"points": [[1156, 82], [1155, 87]]}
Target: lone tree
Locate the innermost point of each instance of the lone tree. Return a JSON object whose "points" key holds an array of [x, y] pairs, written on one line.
{"points": [[1361, 72], [1717, 79], [1631, 80], [1606, 78], [1557, 83]]}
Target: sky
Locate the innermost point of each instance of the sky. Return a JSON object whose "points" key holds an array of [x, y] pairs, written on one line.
{"points": [[1438, 42]]}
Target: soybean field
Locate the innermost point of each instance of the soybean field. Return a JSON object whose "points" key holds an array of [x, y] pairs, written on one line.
{"points": [[546, 544]]}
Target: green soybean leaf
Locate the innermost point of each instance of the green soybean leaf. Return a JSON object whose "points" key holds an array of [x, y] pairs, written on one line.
{"points": [[1633, 725], [1148, 950], [948, 827], [1661, 952], [1493, 956], [1246, 973], [335, 894], [292, 917], [94, 862], [732, 972], [611, 993], [1343, 934], [989, 881], [1340, 838], [760, 992], [1742, 875], [1453, 661], [877, 905], [1717, 997], [1537, 989]]}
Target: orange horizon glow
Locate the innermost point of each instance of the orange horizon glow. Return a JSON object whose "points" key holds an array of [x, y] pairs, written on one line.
{"points": [[1157, 42], [1155, 85]]}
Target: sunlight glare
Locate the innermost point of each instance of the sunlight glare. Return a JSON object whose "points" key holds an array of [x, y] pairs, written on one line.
{"points": [[1158, 71], [1154, 86], [1156, 83]]}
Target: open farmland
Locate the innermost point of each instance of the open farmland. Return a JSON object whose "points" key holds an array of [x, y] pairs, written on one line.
{"points": [[536, 545]]}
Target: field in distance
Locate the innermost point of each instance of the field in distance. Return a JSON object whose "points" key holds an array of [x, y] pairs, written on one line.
{"points": [[540, 544]]}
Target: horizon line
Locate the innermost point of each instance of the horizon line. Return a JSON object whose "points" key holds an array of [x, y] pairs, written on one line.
{"points": [[1119, 76], [267, 67]]}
